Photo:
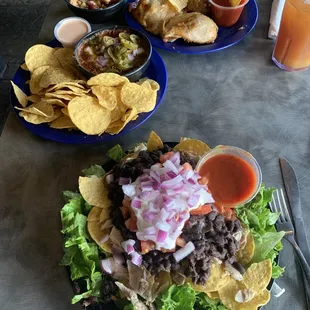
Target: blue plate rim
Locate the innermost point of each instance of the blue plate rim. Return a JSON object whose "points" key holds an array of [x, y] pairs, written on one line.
{"points": [[65, 136], [194, 49]]}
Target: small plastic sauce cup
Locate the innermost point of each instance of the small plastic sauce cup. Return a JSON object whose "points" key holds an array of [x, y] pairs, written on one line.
{"points": [[232, 174], [69, 31], [225, 15]]}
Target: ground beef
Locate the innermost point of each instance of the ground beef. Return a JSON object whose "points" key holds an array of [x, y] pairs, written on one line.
{"points": [[212, 236]]}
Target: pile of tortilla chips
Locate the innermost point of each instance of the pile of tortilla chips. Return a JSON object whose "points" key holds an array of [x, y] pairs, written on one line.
{"points": [[247, 293], [63, 98]]}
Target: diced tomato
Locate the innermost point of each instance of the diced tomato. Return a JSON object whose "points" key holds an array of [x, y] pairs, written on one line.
{"points": [[187, 166], [165, 157], [147, 246], [131, 224], [228, 213], [125, 212], [180, 242], [202, 210], [126, 203]]}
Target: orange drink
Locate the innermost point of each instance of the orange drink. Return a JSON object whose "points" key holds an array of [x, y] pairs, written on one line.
{"points": [[292, 49]]}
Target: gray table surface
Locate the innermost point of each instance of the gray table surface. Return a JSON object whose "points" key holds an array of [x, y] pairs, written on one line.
{"points": [[235, 97]]}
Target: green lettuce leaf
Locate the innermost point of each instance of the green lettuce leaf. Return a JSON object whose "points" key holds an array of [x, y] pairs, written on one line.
{"points": [[261, 221], [96, 170], [116, 153], [203, 302], [81, 255], [177, 298]]}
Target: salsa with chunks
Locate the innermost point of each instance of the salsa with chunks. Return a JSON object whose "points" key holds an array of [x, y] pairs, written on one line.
{"points": [[117, 51]]}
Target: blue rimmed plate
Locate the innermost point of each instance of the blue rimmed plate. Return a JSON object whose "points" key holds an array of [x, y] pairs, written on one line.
{"points": [[227, 36], [156, 71]]}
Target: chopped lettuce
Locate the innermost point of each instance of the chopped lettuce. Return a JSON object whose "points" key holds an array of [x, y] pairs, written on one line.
{"points": [[81, 255], [261, 221], [203, 302], [116, 153], [185, 298], [177, 298], [96, 170]]}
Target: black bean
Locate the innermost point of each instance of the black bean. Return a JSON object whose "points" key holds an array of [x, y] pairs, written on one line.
{"points": [[211, 216]]}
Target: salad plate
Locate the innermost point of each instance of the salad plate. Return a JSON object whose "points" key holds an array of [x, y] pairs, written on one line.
{"points": [[118, 264]]}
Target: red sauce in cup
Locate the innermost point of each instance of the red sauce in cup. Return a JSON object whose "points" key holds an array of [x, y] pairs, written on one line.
{"points": [[225, 15], [230, 179]]}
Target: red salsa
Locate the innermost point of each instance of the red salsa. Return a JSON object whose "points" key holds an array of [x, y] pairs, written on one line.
{"points": [[231, 180], [225, 15]]}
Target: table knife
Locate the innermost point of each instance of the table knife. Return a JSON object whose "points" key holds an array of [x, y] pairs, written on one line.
{"points": [[292, 192]]}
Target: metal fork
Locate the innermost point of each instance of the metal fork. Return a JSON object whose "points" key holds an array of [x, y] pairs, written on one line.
{"points": [[278, 204]]}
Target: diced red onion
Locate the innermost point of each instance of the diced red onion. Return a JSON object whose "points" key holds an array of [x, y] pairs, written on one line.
{"points": [[128, 246], [175, 158], [107, 265], [129, 190], [131, 57], [104, 239], [102, 61], [162, 226], [193, 200], [136, 203], [161, 236], [123, 181], [139, 50], [149, 216], [182, 253], [170, 166], [169, 183], [136, 258]]}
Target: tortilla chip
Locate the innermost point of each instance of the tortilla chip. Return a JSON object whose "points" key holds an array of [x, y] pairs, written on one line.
{"points": [[104, 215], [20, 95], [154, 142], [34, 98], [107, 96], [62, 122], [218, 279], [107, 79], [52, 76], [119, 125], [40, 55], [227, 296], [24, 67], [36, 76], [258, 275], [39, 108], [139, 97], [245, 255], [146, 82], [213, 295], [196, 147], [88, 115], [39, 119], [94, 229], [94, 191], [94, 214]]}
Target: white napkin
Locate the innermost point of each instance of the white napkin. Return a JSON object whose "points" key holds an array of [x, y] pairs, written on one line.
{"points": [[275, 18]]}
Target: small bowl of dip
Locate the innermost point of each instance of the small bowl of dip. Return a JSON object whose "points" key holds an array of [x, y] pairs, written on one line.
{"points": [[224, 14], [69, 31], [233, 175]]}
